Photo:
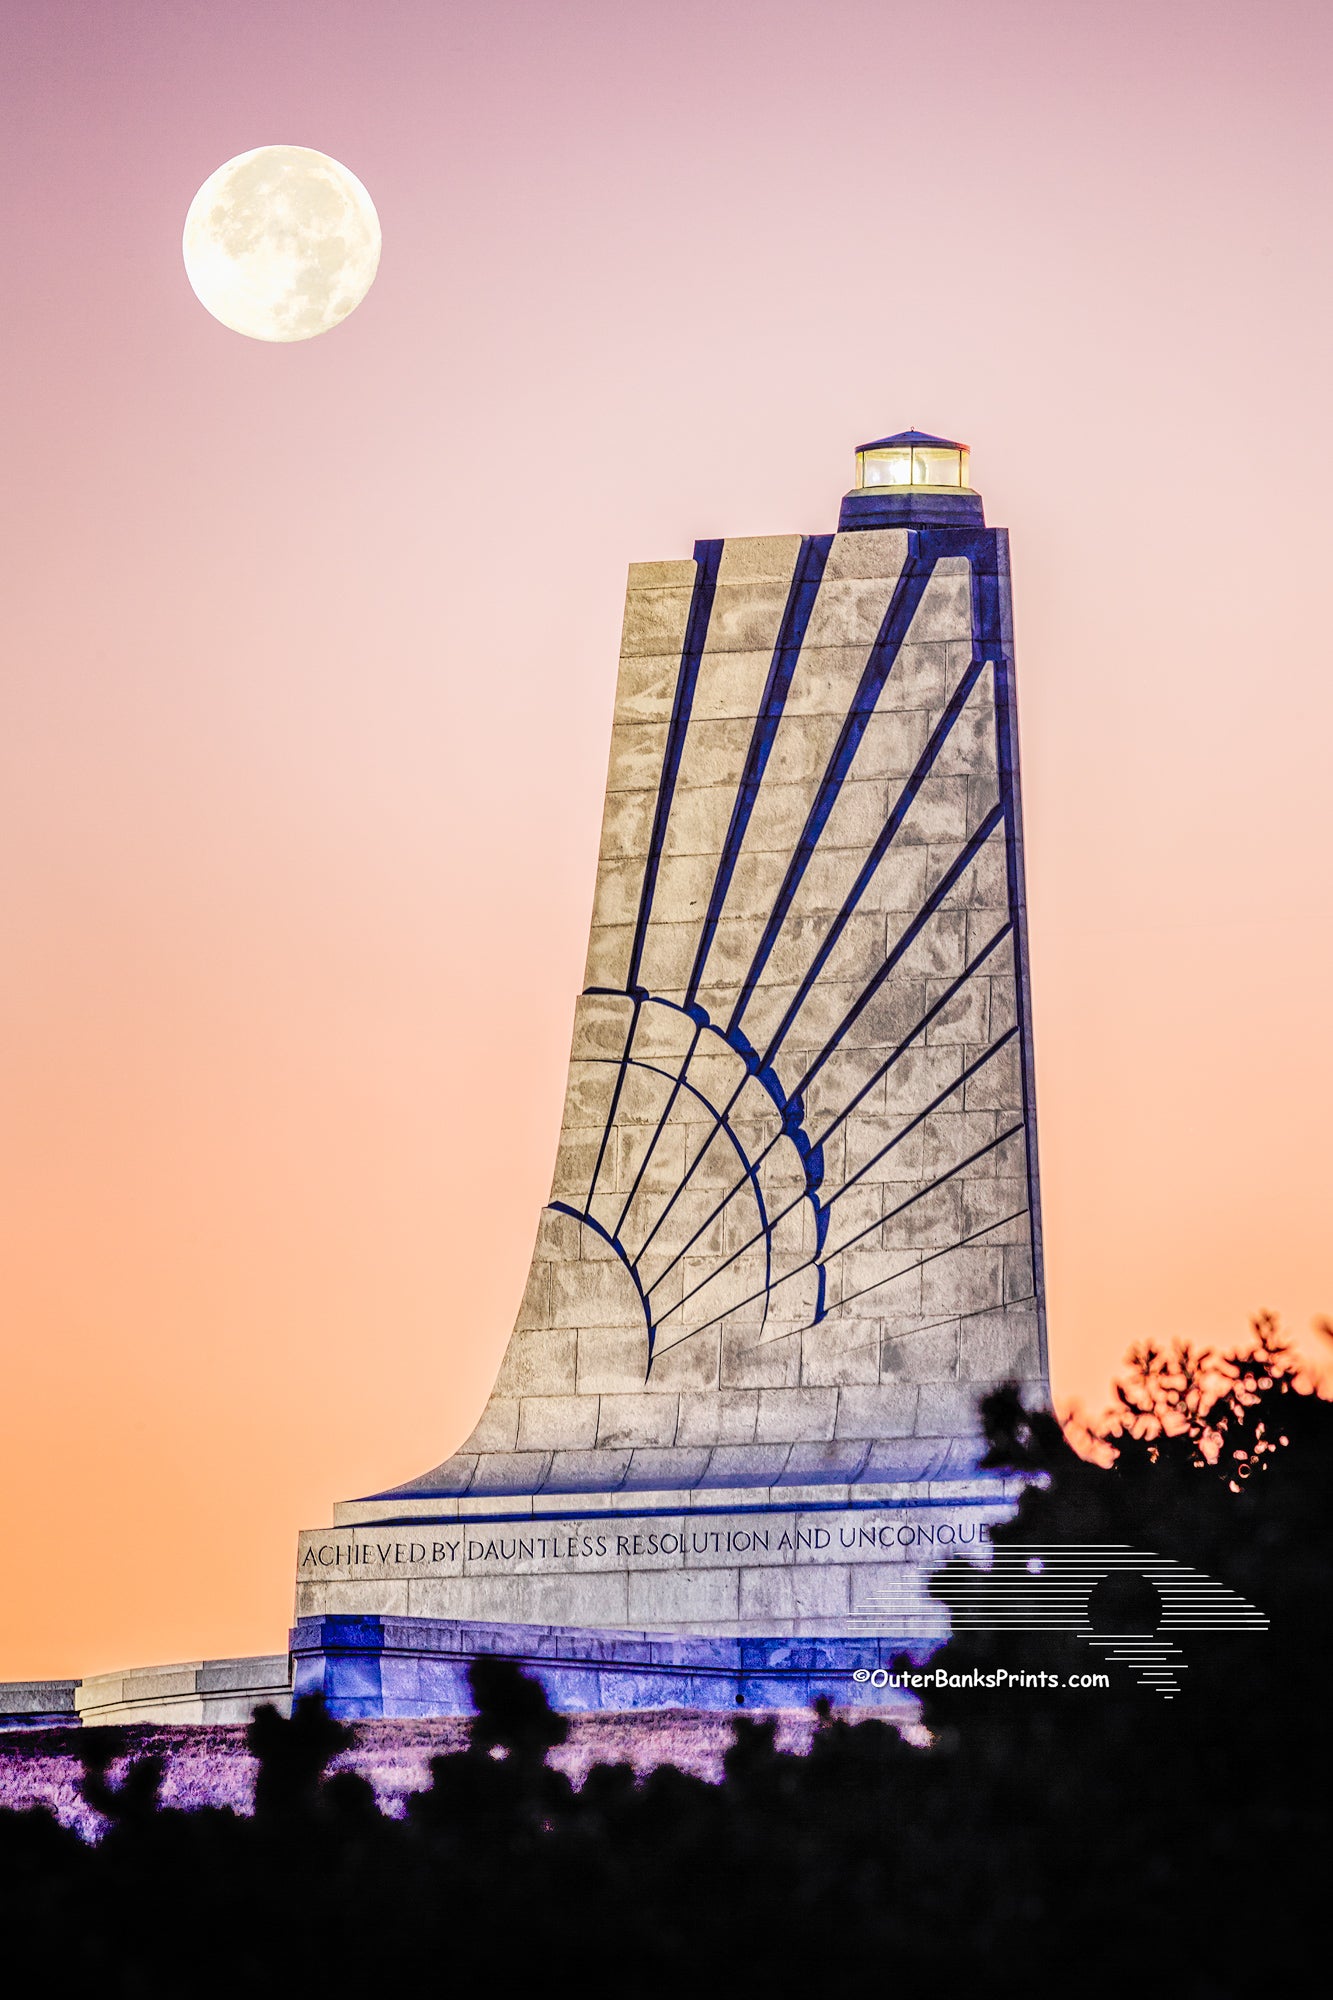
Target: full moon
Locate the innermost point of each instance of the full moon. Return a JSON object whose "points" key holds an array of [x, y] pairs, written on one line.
{"points": [[281, 243]]}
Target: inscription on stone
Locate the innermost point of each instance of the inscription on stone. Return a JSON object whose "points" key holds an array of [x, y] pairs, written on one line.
{"points": [[456, 1550]]}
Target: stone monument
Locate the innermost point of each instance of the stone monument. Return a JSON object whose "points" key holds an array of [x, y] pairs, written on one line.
{"points": [[793, 1233]]}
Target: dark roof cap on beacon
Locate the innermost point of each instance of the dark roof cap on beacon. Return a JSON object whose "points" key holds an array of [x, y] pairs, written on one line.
{"points": [[912, 437]]}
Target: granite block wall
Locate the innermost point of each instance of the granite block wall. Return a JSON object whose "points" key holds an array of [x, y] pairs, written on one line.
{"points": [[793, 1215]]}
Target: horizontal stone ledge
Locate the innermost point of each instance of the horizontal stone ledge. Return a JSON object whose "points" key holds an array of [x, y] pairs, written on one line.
{"points": [[37, 1704], [980, 1490], [762, 1654]]}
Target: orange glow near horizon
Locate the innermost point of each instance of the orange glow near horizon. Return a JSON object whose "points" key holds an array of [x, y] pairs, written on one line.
{"points": [[311, 653]]}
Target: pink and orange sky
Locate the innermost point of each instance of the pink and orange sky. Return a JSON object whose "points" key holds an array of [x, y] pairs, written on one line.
{"points": [[311, 650]]}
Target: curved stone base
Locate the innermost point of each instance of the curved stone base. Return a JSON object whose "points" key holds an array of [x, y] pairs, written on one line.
{"points": [[191, 1691]]}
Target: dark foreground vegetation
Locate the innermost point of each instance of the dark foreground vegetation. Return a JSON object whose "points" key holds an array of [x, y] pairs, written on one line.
{"points": [[1048, 1841]]}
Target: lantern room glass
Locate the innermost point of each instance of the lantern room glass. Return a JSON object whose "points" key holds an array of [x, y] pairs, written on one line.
{"points": [[914, 465], [885, 468]]}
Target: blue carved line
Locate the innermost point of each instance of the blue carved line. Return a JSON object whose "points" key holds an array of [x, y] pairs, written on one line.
{"points": [[889, 1213], [928, 909], [949, 1319], [580, 1215], [751, 1174], [920, 1118], [661, 1125], [790, 1109], [616, 1089], [986, 613], [846, 1298], [707, 555], [902, 609], [790, 1106], [879, 848], [944, 1251], [808, 576], [937, 1007]]}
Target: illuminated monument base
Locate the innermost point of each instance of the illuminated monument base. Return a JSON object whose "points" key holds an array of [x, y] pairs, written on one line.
{"points": [[769, 1602], [417, 1667], [793, 1234]]}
